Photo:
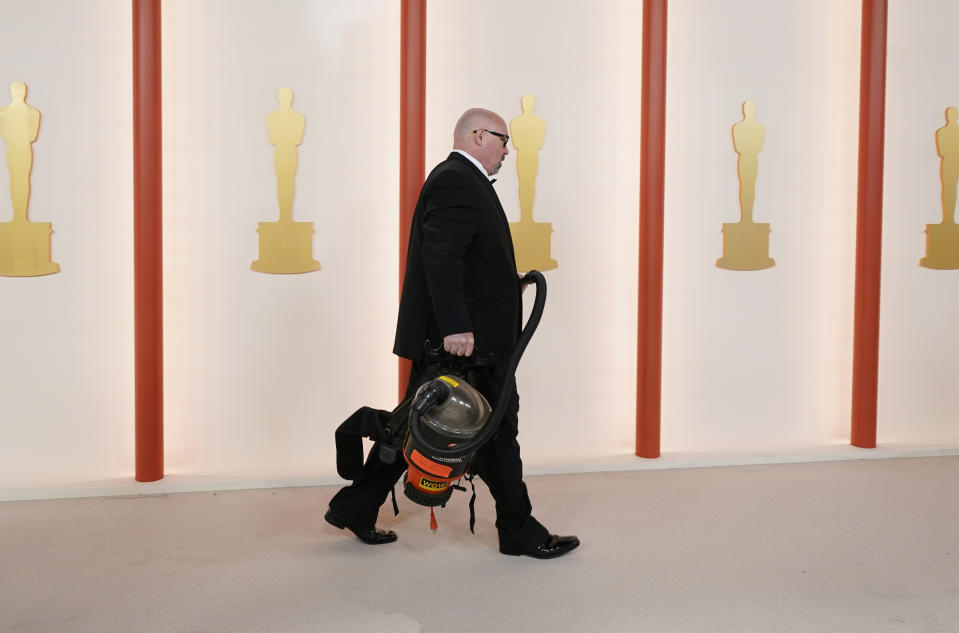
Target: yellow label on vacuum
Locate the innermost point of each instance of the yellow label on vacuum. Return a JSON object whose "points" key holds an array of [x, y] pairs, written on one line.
{"points": [[449, 380], [429, 484]]}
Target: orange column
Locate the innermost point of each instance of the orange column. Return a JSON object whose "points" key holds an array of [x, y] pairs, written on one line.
{"points": [[872, 106], [147, 240], [652, 169], [412, 130]]}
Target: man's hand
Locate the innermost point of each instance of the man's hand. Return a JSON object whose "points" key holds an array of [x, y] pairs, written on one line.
{"points": [[459, 344]]}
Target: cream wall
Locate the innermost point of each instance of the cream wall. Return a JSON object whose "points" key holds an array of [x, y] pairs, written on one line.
{"points": [[260, 368], [761, 359], [66, 340], [919, 343]]}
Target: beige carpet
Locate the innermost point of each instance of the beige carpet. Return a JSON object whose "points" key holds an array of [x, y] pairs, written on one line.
{"points": [[837, 547]]}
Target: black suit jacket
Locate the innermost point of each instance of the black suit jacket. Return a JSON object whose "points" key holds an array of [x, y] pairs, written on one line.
{"points": [[460, 266]]}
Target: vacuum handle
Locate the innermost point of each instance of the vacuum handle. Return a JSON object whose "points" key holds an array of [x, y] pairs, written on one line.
{"points": [[532, 277]]}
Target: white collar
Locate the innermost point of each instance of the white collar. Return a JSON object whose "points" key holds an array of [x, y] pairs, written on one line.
{"points": [[478, 164]]}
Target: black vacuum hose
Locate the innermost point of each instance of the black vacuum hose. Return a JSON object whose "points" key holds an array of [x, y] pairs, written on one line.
{"points": [[492, 424]]}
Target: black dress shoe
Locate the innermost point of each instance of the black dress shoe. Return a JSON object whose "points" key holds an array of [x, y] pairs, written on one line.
{"points": [[369, 535], [553, 546]]}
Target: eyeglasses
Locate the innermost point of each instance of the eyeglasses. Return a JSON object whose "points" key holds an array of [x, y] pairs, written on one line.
{"points": [[505, 137]]}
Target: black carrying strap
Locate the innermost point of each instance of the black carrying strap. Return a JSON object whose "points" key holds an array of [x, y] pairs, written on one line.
{"points": [[469, 477], [384, 427], [396, 508], [365, 422]]}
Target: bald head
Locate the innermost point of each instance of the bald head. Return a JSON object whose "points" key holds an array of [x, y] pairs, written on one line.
{"points": [[475, 119], [482, 134]]}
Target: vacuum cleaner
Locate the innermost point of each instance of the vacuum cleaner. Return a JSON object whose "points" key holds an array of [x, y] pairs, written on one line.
{"points": [[441, 426]]}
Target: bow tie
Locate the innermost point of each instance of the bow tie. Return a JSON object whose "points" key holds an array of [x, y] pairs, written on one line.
{"points": [[492, 181]]}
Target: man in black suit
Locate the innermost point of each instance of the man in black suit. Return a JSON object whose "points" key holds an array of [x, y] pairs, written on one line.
{"points": [[461, 290]]}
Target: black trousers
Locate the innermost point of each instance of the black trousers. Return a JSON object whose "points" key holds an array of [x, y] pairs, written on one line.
{"points": [[497, 463]]}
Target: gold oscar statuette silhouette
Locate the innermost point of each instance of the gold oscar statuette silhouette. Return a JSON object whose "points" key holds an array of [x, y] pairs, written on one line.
{"points": [[24, 245], [285, 246], [746, 243], [942, 240], [531, 239]]}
